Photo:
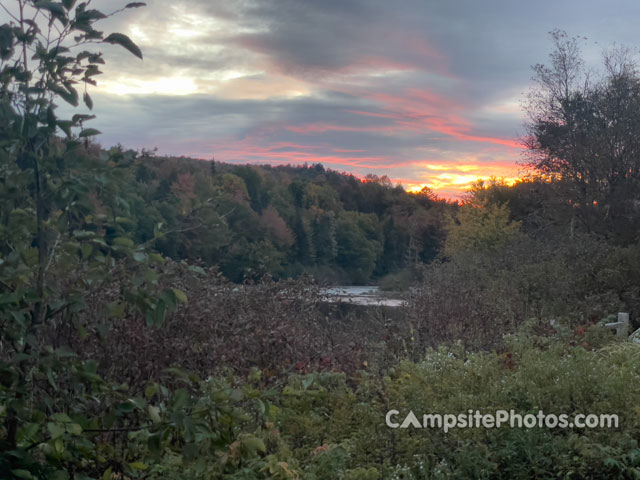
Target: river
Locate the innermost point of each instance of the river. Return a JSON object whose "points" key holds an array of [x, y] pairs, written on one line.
{"points": [[362, 295]]}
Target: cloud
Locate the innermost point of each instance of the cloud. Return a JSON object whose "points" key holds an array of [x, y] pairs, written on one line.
{"points": [[426, 92]]}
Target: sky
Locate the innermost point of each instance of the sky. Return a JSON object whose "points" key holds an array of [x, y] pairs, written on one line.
{"points": [[426, 92]]}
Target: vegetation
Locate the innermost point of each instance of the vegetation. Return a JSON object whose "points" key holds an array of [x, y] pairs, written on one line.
{"points": [[331, 426], [58, 249], [584, 134], [285, 221], [130, 350]]}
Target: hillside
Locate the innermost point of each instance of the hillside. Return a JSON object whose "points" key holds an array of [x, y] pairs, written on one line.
{"points": [[283, 221]]}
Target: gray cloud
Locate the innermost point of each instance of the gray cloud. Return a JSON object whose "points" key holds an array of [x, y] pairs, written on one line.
{"points": [[389, 83]]}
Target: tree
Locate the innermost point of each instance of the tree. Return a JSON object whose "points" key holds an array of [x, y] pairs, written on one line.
{"points": [[258, 196], [324, 236], [37, 69], [303, 250], [65, 235], [277, 227], [359, 244], [479, 228], [585, 134]]}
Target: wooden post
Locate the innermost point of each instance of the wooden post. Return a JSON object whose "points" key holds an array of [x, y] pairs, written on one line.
{"points": [[623, 319], [621, 326]]}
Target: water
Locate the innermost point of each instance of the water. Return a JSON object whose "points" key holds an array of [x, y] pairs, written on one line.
{"points": [[361, 295]]}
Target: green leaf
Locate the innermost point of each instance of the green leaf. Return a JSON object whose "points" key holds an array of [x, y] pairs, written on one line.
{"points": [[63, 352], [68, 4], [82, 234], [56, 9], [196, 269], [179, 373], [89, 132], [138, 465], [58, 446], [60, 475], [29, 431], [150, 390], [91, 71], [51, 379], [180, 399], [87, 101], [156, 257], [90, 376], [74, 429], [180, 295], [307, 382], [85, 17], [20, 473], [138, 402], [135, 5], [108, 474], [154, 414], [139, 256], [55, 430], [81, 117], [123, 242], [9, 298], [102, 330], [86, 250], [254, 444], [125, 42], [61, 417], [155, 315], [6, 41], [68, 94], [65, 126]]}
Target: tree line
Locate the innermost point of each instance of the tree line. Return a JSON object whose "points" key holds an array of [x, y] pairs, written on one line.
{"points": [[283, 221]]}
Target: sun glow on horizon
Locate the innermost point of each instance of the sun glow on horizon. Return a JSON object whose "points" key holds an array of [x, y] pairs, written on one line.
{"points": [[447, 182]]}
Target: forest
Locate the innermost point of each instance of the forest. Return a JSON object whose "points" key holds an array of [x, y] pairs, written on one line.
{"points": [[283, 221], [163, 317]]}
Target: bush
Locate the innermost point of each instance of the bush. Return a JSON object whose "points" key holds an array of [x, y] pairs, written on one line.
{"points": [[398, 282], [476, 297], [332, 426]]}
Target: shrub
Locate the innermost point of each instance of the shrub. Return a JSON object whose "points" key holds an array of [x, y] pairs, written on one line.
{"points": [[476, 297]]}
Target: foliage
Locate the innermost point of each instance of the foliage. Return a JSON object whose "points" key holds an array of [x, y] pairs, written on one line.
{"points": [[66, 234], [400, 281], [278, 327], [584, 133], [479, 228], [291, 221], [326, 426], [477, 296], [359, 244]]}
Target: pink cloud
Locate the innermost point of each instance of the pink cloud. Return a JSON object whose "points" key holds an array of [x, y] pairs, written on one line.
{"points": [[421, 110], [448, 177], [284, 152]]}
